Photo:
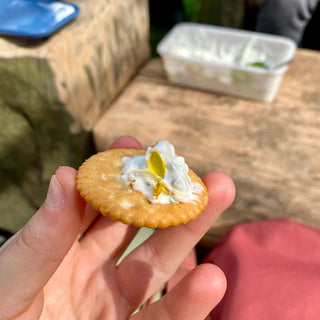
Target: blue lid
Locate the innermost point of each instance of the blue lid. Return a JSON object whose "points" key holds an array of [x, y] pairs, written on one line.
{"points": [[34, 18]]}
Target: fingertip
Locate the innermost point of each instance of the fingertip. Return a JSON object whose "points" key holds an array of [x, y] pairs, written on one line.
{"points": [[126, 142], [205, 285], [66, 175], [214, 280], [220, 186], [193, 297], [73, 203], [67, 178]]}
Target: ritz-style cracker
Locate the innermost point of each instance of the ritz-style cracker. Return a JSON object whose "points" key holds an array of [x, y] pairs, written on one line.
{"points": [[102, 182]]}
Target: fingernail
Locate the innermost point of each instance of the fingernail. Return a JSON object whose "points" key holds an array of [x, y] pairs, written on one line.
{"points": [[56, 194]]}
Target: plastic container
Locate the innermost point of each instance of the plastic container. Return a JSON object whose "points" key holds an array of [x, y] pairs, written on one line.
{"points": [[235, 62]]}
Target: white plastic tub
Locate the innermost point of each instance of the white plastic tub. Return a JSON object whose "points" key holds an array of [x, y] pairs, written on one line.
{"points": [[220, 60]]}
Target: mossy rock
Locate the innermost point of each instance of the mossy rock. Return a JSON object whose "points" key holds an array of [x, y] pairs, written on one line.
{"points": [[35, 138]]}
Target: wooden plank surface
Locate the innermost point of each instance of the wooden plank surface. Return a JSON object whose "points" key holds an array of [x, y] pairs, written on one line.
{"points": [[272, 151]]}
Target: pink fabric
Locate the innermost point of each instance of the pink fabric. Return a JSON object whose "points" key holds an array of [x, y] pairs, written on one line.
{"points": [[273, 271]]}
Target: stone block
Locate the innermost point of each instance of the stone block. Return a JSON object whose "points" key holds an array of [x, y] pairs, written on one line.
{"points": [[53, 91]]}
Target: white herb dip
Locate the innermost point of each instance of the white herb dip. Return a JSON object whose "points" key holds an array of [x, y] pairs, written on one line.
{"points": [[161, 175]]}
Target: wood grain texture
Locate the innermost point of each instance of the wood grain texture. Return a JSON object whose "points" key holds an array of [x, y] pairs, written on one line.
{"points": [[272, 151]]}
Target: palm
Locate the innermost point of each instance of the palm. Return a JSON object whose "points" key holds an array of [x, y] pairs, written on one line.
{"points": [[78, 278], [89, 270]]}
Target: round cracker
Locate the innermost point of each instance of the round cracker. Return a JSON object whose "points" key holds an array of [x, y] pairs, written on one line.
{"points": [[98, 181]]}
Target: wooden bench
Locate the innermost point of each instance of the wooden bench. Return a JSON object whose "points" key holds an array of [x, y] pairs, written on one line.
{"points": [[272, 151]]}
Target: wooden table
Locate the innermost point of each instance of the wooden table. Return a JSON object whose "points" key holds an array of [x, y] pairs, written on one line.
{"points": [[272, 151]]}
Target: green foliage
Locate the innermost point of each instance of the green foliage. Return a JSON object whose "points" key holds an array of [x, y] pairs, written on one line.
{"points": [[192, 9]]}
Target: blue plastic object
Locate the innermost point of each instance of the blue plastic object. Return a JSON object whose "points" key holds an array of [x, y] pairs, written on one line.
{"points": [[34, 18]]}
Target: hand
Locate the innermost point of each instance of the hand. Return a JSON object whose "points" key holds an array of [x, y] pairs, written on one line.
{"points": [[46, 273]]}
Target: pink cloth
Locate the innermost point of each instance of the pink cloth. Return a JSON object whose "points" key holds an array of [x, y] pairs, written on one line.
{"points": [[273, 271]]}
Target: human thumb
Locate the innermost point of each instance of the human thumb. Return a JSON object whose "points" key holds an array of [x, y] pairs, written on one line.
{"points": [[32, 255]]}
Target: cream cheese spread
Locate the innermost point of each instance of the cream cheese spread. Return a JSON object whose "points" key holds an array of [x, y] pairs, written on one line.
{"points": [[161, 175]]}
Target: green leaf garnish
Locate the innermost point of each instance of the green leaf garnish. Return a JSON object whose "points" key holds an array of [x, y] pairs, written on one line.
{"points": [[259, 64]]}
